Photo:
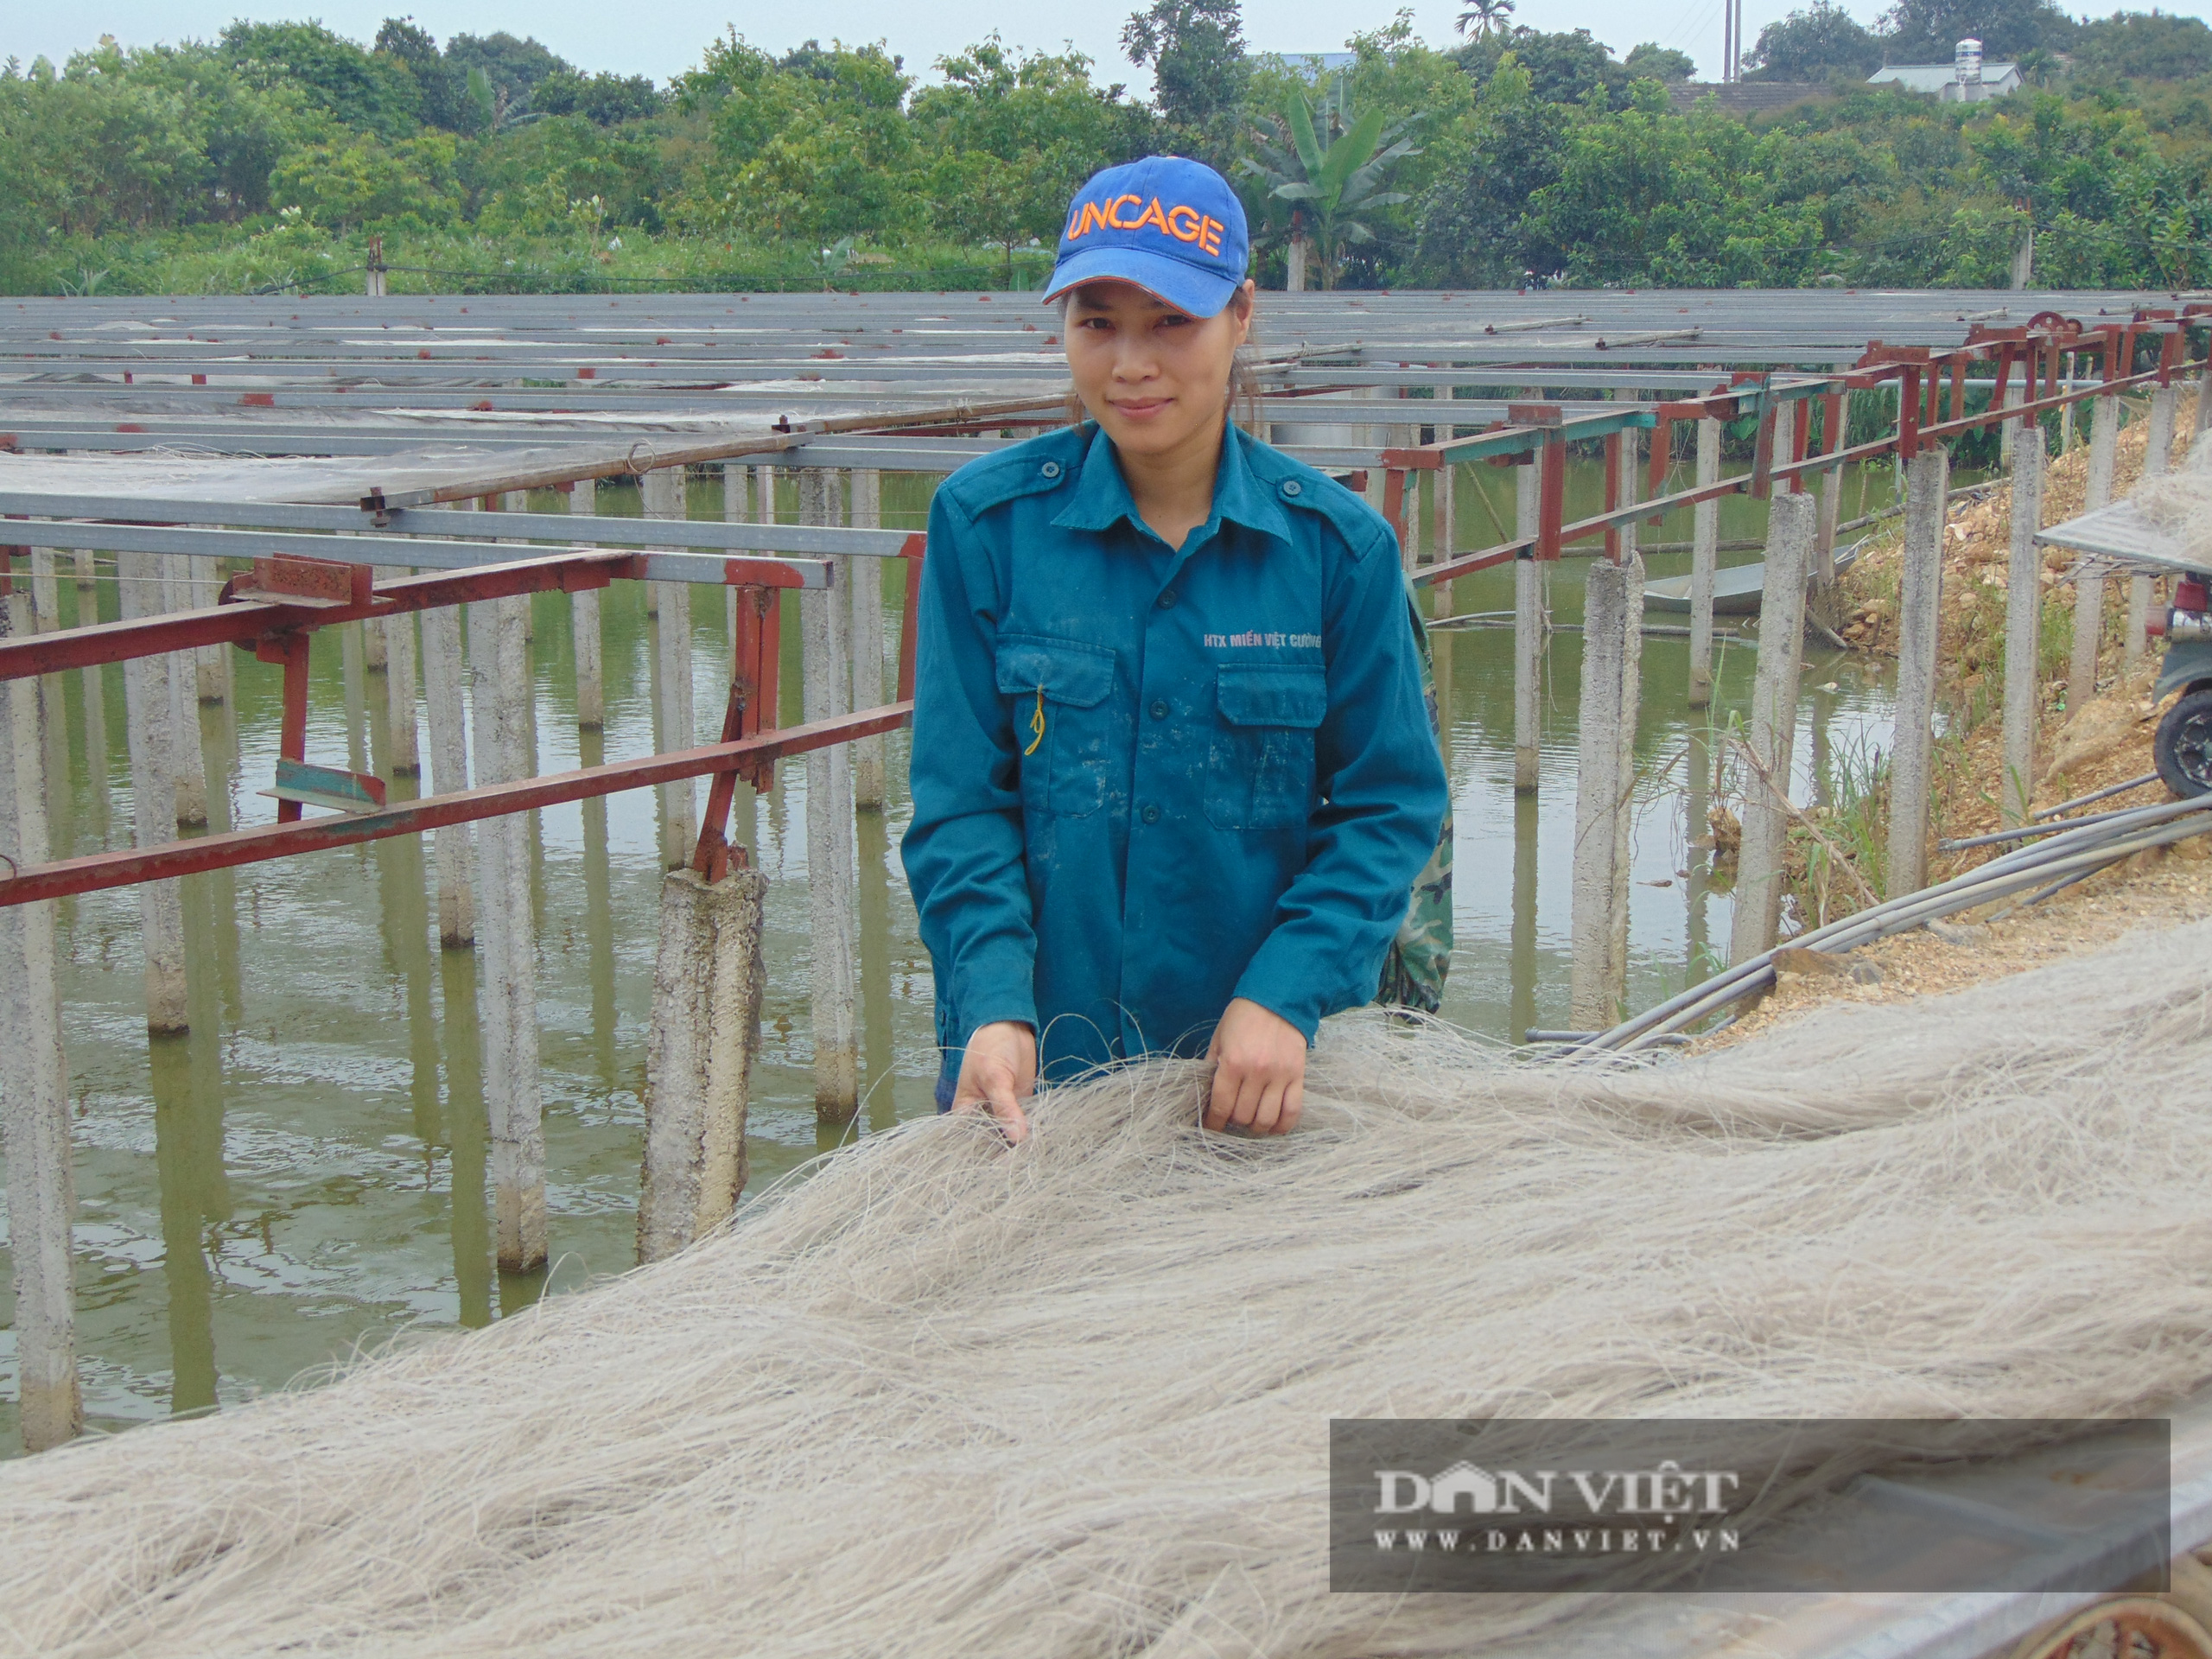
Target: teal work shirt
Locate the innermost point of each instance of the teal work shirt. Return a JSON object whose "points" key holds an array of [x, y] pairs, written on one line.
{"points": [[1147, 780]]}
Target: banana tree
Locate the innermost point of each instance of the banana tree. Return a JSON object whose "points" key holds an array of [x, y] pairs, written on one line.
{"points": [[1326, 187]]}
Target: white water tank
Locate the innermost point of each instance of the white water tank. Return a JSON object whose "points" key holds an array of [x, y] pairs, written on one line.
{"points": [[1968, 69]]}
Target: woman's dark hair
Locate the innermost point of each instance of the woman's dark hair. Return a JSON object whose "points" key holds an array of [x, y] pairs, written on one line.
{"points": [[1244, 379]]}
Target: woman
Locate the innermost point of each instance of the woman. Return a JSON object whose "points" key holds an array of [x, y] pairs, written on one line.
{"points": [[1173, 775]]}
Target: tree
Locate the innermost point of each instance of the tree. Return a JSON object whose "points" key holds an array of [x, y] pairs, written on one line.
{"points": [[444, 84], [2142, 45], [1200, 69], [1013, 138], [1562, 68], [1929, 31], [513, 66], [1816, 42], [604, 100], [367, 92], [1489, 17], [1471, 221], [1652, 61], [1330, 170]]}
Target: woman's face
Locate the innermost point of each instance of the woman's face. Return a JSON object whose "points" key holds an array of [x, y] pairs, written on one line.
{"points": [[1153, 376]]}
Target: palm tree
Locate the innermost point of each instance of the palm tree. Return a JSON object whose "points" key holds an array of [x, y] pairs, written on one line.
{"points": [[1326, 186], [1487, 16]]}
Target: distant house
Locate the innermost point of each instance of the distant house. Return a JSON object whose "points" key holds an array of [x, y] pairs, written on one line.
{"points": [[1316, 65], [1965, 79], [1744, 98]]}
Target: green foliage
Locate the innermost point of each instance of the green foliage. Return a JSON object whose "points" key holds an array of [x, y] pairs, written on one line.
{"points": [[1652, 61], [1818, 43], [514, 68], [604, 100], [1013, 139], [2142, 46], [362, 90], [1196, 49], [1330, 165], [1929, 31], [363, 181]]}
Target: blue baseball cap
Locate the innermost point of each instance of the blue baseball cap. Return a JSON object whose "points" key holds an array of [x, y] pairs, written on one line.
{"points": [[1171, 226]]}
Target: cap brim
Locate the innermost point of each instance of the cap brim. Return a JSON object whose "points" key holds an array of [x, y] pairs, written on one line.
{"points": [[1201, 293]]}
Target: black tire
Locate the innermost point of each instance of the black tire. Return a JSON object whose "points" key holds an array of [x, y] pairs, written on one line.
{"points": [[2184, 745]]}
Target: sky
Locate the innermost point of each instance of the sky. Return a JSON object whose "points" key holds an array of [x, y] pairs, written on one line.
{"points": [[663, 40]]}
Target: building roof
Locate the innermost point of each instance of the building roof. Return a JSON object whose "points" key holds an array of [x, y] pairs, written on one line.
{"points": [[1935, 77], [1744, 97]]}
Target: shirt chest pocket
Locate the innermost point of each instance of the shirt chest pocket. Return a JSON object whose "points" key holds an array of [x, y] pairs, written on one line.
{"points": [[1261, 774], [1064, 725]]}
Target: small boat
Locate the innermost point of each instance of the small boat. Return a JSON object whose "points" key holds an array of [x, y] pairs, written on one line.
{"points": [[1735, 590]]}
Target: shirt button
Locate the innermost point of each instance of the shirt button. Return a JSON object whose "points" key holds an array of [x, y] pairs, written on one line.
{"points": [[1051, 469], [1152, 815], [1166, 601], [1159, 709], [1291, 487]]}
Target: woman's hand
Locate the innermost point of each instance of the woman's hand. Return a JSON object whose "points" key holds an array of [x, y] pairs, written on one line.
{"points": [[1259, 1075], [997, 1073]]}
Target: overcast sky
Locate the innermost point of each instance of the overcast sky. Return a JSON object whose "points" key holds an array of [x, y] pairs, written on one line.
{"points": [[663, 40]]}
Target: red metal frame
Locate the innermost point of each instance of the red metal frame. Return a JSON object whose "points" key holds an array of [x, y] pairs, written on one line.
{"points": [[124, 867]]}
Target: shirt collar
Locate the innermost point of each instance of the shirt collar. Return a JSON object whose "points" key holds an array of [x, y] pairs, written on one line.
{"points": [[1102, 497]]}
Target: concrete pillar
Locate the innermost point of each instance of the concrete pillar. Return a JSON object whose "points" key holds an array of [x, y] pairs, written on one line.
{"points": [[663, 493], [1790, 527], [735, 511], [2066, 436], [1630, 702], [2023, 629], [699, 1048], [583, 622], [189, 778], [44, 611], [2158, 458], [506, 986], [401, 732], [87, 579], [2007, 431], [2089, 591], [825, 626], [443, 678], [375, 647], [1603, 792], [1527, 635], [2205, 405], [148, 694], [867, 638], [1920, 597], [212, 663], [34, 1083], [1705, 563]]}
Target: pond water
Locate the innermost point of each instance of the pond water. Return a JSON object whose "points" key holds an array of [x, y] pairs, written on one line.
{"points": [[304, 1172]]}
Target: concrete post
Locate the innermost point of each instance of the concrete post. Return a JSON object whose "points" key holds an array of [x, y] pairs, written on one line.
{"points": [[1920, 596], [1791, 528], [148, 694], [699, 1048], [2067, 437], [443, 678], [45, 609], [2205, 405], [2023, 629], [1705, 563], [583, 622], [506, 988], [1602, 794], [189, 778], [375, 646], [664, 493], [2158, 459], [2089, 591], [734, 511], [213, 661], [2007, 431], [1630, 704], [824, 617], [87, 580], [34, 1083], [867, 638], [1527, 635], [402, 735]]}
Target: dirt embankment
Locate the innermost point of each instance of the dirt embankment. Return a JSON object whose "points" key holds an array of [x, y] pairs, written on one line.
{"points": [[2107, 740]]}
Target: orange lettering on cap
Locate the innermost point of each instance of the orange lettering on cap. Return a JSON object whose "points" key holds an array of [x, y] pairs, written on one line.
{"points": [[1184, 224], [1113, 214], [1209, 229], [1089, 218], [1152, 215]]}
